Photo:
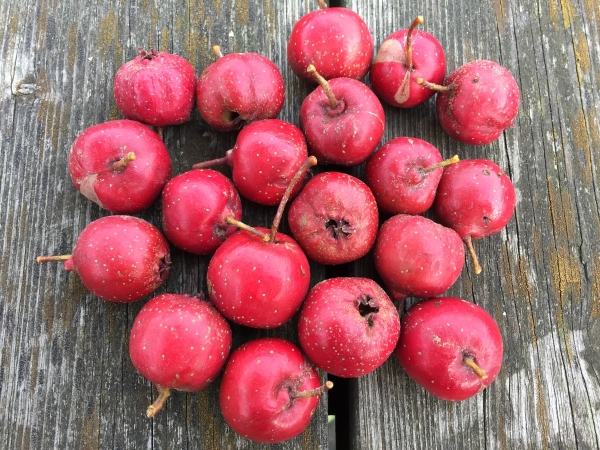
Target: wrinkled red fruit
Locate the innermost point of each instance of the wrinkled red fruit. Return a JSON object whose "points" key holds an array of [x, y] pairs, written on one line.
{"points": [[239, 88], [120, 165], [403, 175], [476, 198], [398, 66], [348, 327], [417, 257], [195, 206], [343, 121], [451, 347], [269, 392], [334, 218], [179, 342], [336, 41], [156, 88], [266, 155], [482, 101], [119, 258]]}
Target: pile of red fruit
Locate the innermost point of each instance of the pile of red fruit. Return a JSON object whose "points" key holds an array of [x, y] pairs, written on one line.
{"points": [[259, 277]]}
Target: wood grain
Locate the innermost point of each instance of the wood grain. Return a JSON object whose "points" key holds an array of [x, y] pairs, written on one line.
{"points": [[66, 380], [539, 277]]}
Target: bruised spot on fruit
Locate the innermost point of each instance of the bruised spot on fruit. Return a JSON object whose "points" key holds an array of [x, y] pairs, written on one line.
{"points": [[486, 172], [339, 228]]}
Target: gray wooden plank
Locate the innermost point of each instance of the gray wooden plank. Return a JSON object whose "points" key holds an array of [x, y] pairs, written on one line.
{"points": [[539, 276], [65, 376]]}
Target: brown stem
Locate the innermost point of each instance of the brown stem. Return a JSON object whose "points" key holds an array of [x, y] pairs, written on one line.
{"points": [[120, 164], [416, 22], [217, 51], [441, 164], [473, 365], [469, 244], [45, 259], [310, 161], [163, 395], [333, 102], [322, 4], [313, 392], [433, 86], [242, 226], [161, 133], [212, 162]]}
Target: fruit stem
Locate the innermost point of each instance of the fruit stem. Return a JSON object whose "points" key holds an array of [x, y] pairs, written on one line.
{"points": [[416, 22], [45, 259], [217, 51], [242, 226], [322, 4], [441, 164], [473, 365], [310, 161], [469, 244], [313, 392], [333, 102], [433, 86], [212, 162], [163, 395], [119, 165], [161, 133]]}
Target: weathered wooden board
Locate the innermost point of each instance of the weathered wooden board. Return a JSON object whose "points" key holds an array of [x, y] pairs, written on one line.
{"points": [[66, 380], [65, 376], [540, 275]]}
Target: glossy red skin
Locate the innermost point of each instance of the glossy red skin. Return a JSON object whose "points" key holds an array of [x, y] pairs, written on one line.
{"points": [[179, 342], [388, 75], [348, 134], [336, 41], [417, 257], [266, 156], [475, 197], [126, 191], [195, 205], [348, 326], [255, 391], [120, 258], [157, 90], [338, 197], [477, 112], [395, 175], [437, 334], [239, 88], [258, 284]]}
